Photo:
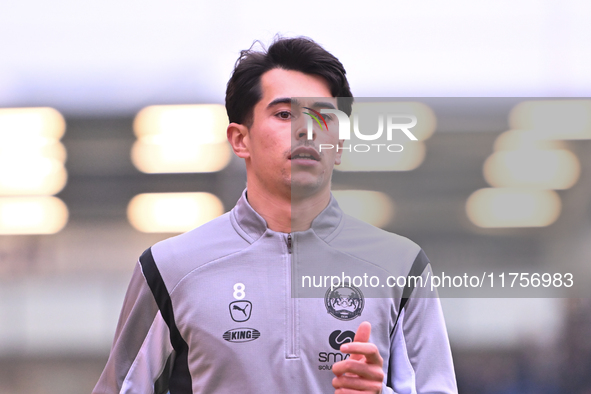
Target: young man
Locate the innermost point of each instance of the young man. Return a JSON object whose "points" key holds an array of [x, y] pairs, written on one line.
{"points": [[212, 310]]}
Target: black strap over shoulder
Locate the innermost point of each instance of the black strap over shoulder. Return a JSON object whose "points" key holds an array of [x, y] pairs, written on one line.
{"points": [[180, 379], [418, 266]]}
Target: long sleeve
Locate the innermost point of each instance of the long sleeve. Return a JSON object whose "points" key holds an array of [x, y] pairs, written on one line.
{"points": [[420, 355], [141, 352]]}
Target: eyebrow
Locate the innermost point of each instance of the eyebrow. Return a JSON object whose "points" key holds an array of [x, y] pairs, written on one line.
{"points": [[289, 100], [280, 100], [323, 104]]}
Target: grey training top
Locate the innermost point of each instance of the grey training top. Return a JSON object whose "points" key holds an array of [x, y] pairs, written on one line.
{"points": [[212, 311]]}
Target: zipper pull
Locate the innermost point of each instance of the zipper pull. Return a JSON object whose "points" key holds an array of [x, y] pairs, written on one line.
{"points": [[289, 243]]}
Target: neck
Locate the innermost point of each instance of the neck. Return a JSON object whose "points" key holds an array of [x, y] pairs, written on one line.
{"points": [[284, 213]]}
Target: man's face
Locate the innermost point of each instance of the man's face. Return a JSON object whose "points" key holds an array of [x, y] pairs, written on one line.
{"points": [[281, 157]]}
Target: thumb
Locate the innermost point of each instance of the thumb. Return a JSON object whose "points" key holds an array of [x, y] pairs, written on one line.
{"points": [[362, 335], [363, 332]]}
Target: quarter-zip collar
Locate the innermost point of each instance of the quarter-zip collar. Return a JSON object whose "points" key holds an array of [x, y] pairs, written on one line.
{"points": [[251, 226]]}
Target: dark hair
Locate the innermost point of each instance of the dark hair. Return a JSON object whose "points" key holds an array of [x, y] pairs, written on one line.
{"points": [[299, 54]]}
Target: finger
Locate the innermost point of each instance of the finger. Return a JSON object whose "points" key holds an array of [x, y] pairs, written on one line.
{"points": [[349, 391], [362, 335], [360, 370], [369, 350], [373, 381], [363, 332]]}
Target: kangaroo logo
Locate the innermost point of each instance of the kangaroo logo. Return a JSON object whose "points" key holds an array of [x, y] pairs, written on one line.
{"points": [[240, 310]]}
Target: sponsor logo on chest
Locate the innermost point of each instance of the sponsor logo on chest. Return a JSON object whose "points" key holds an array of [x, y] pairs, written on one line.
{"points": [[335, 340], [240, 311], [241, 334]]}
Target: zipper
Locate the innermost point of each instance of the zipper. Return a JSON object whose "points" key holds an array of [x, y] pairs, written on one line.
{"points": [[291, 305]]}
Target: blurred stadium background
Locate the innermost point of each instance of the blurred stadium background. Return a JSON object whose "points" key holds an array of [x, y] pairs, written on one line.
{"points": [[89, 90]]}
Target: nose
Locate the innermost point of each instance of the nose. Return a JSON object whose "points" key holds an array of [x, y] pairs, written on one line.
{"points": [[304, 128]]}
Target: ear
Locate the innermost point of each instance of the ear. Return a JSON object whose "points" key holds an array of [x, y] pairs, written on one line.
{"points": [[239, 139], [339, 152]]}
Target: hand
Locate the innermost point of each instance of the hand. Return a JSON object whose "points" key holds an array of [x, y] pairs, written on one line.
{"points": [[362, 371]]}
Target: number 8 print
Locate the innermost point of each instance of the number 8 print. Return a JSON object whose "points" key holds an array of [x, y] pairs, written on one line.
{"points": [[239, 291]]}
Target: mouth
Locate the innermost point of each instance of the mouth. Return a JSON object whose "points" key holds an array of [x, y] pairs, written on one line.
{"points": [[304, 153]]}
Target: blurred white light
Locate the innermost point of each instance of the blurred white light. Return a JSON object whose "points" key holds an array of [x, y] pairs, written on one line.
{"points": [[195, 124], [525, 140], [410, 158], [371, 207], [32, 149], [172, 212], [180, 156], [506, 207], [541, 169], [181, 138], [32, 176], [554, 119], [32, 215], [31, 164], [19, 124]]}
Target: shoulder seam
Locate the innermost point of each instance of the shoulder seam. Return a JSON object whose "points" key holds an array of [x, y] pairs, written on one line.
{"points": [[205, 264]]}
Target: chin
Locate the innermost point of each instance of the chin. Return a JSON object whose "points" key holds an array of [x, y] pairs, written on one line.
{"points": [[306, 189]]}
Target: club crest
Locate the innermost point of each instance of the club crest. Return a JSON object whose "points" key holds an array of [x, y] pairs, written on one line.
{"points": [[344, 302]]}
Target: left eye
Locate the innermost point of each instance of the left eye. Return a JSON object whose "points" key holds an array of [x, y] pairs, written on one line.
{"points": [[284, 115]]}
